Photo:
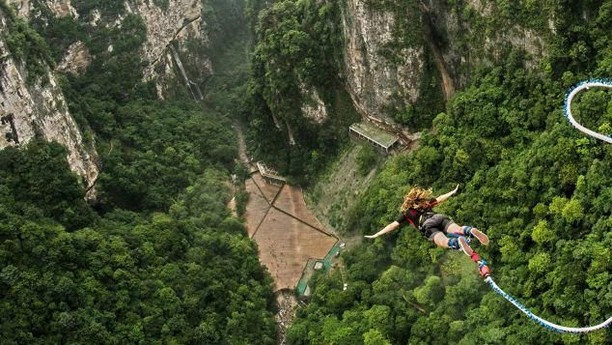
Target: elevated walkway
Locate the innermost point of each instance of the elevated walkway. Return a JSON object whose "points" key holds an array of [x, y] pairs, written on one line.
{"points": [[377, 137]]}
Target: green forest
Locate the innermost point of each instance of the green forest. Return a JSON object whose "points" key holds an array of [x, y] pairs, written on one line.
{"points": [[159, 259], [539, 188]]}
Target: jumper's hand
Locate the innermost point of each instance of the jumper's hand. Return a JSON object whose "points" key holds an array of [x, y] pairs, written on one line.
{"points": [[370, 236]]}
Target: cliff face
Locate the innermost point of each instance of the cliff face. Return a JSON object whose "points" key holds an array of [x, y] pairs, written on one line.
{"points": [[385, 70], [172, 25], [40, 109], [180, 22], [478, 32], [373, 78]]}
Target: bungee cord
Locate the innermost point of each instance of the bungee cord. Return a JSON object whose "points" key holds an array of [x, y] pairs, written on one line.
{"points": [[551, 326], [489, 280], [568, 106]]}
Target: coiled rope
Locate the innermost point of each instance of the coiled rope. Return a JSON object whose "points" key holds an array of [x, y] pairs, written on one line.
{"points": [[568, 106], [489, 280]]}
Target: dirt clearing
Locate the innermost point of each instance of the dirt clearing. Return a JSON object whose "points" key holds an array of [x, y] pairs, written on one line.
{"points": [[285, 230]]}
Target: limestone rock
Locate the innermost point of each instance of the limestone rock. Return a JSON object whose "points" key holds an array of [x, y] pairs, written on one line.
{"points": [[76, 60], [372, 79], [40, 110]]}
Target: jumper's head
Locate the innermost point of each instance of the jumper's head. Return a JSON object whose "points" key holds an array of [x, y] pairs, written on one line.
{"points": [[416, 198]]}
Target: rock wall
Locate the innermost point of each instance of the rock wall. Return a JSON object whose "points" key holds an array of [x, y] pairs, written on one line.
{"points": [[470, 37], [313, 106], [182, 21], [372, 80], [59, 7], [39, 110], [76, 60], [473, 36]]}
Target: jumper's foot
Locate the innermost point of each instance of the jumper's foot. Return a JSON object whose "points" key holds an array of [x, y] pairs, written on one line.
{"points": [[465, 247], [484, 271], [480, 236]]}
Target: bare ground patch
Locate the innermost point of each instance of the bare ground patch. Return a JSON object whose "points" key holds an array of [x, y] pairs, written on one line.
{"points": [[286, 231], [256, 207]]}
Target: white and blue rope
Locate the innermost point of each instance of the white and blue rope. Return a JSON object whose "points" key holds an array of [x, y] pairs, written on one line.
{"points": [[541, 321], [568, 106]]}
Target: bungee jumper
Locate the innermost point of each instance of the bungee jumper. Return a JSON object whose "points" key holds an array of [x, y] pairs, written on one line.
{"points": [[417, 210], [442, 231]]}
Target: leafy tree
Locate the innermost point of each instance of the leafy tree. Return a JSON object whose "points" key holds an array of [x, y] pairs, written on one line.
{"points": [[40, 182], [366, 159]]}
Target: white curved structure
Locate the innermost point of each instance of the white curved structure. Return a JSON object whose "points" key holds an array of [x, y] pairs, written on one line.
{"points": [[541, 321], [568, 106]]}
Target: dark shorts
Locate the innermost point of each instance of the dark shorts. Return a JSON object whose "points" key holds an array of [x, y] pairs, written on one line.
{"points": [[434, 224]]}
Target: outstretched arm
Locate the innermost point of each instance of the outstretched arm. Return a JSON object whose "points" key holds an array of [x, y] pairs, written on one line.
{"points": [[444, 197], [386, 229]]}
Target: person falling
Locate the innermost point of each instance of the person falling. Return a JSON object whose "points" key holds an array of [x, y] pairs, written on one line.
{"points": [[438, 228]]}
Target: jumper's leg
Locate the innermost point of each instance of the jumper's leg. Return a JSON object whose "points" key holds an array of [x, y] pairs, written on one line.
{"points": [[458, 243], [469, 232]]}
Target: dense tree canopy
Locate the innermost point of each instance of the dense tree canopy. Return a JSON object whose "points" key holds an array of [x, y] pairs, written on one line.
{"points": [[189, 276], [158, 259], [540, 189]]}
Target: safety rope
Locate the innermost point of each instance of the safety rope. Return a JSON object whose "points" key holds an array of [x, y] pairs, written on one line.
{"points": [[568, 106], [547, 324]]}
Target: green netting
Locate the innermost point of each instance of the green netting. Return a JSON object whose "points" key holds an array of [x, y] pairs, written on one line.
{"points": [[309, 268], [306, 274], [330, 255]]}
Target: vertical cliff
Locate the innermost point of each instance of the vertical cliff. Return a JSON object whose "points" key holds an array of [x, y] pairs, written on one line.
{"points": [[36, 107], [170, 30], [394, 50], [479, 33], [378, 70]]}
